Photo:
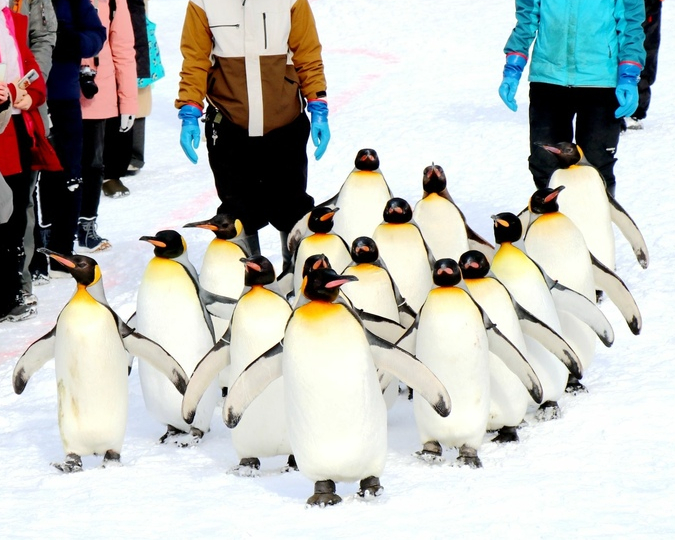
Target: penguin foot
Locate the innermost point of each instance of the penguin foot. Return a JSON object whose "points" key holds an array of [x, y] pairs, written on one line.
{"points": [[72, 463], [431, 452], [506, 434], [291, 465], [111, 459], [247, 467], [171, 433], [370, 488], [324, 494], [599, 296], [187, 440], [549, 410], [574, 386], [469, 457]]}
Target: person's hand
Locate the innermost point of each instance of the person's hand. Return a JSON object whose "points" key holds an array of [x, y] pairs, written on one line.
{"points": [[126, 122], [626, 89], [513, 69], [320, 131], [189, 132], [4, 92], [22, 99]]}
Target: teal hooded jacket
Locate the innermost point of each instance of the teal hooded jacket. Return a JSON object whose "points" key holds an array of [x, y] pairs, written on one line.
{"points": [[578, 42]]}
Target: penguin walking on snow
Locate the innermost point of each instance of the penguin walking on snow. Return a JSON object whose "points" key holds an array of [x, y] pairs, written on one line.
{"points": [[360, 199], [258, 323], [453, 337], [509, 399], [557, 244], [442, 223], [337, 419], [172, 310], [588, 203], [536, 292], [405, 252], [90, 345]]}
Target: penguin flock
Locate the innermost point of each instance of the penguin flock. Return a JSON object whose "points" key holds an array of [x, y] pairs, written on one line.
{"points": [[383, 298]]}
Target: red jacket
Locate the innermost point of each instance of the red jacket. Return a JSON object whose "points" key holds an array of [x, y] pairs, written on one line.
{"points": [[9, 148]]}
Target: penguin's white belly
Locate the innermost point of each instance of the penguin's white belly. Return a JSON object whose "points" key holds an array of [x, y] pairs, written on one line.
{"points": [[508, 397], [258, 324], [402, 249], [373, 292], [559, 247], [442, 227], [337, 419], [169, 312], [585, 202], [91, 373], [452, 343], [330, 245], [361, 201]]}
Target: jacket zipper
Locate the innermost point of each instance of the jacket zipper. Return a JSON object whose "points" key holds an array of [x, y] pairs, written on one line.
{"points": [[265, 27], [225, 26]]}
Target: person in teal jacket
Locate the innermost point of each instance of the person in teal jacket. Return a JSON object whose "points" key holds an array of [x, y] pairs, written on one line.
{"points": [[585, 64]]}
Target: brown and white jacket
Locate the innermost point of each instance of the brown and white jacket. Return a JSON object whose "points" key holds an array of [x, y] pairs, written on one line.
{"points": [[254, 60]]}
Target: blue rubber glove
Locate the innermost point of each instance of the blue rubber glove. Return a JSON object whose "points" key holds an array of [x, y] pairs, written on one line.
{"points": [[189, 132], [513, 69], [320, 132], [626, 89]]}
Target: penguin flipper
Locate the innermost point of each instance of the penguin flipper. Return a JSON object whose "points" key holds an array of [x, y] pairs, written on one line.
{"points": [[618, 293], [381, 326], [217, 359], [220, 306], [154, 354], [550, 339], [35, 356], [250, 383], [131, 321], [401, 364], [408, 341], [513, 359], [629, 230], [476, 241], [566, 299]]}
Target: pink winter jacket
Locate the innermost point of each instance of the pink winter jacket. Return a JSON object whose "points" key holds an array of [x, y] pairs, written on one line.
{"points": [[116, 71]]}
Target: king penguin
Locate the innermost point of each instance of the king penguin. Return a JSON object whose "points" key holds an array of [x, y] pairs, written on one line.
{"points": [[442, 223], [90, 345], [557, 244], [592, 208], [405, 252], [360, 199], [453, 336], [258, 323], [509, 399], [171, 310], [337, 419]]}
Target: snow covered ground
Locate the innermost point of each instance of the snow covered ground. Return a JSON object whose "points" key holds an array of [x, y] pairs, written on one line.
{"points": [[417, 81]]}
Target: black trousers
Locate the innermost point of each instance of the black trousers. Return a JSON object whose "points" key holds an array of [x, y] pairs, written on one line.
{"points": [[260, 180], [117, 149], [652, 28], [581, 115], [92, 166], [12, 232]]}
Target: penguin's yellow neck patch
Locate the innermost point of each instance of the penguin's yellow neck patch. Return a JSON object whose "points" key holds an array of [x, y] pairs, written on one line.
{"points": [[317, 309]]}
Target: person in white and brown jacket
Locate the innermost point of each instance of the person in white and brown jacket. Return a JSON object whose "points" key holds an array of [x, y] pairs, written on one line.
{"points": [[258, 65]]}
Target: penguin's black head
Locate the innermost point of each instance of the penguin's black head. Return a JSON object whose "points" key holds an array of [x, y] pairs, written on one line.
{"points": [[544, 201], [224, 226], [367, 160], [446, 273], [84, 269], [321, 219], [168, 244], [314, 262], [566, 153], [474, 264], [324, 284], [433, 179], [397, 210], [258, 271], [364, 250], [507, 227]]}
